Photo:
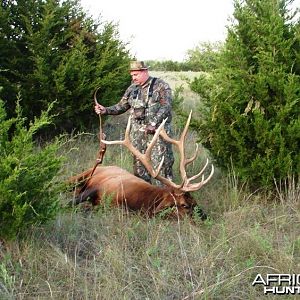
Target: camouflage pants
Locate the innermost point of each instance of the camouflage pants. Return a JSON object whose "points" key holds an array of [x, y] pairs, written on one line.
{"points": [[161, 149]]}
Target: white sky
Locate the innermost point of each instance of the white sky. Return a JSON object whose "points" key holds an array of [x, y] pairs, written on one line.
{"points": [[165, 29]]}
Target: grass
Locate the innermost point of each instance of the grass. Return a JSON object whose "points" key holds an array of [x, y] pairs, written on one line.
{"points": [[109, 254], [112, 255]]}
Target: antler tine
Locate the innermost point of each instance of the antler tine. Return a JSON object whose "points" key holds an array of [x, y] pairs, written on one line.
{"points": [[196, 186], [126, 142], [200, 173], [186, 127], [165, 136], [180, 145], [126, 136], [159, 167], [189, 160], [186, 185], [155, 138], [146, 157]]}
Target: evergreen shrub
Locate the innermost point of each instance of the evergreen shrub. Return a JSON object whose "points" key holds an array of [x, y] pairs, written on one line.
{"points": [[251, 118], [28, 191]]}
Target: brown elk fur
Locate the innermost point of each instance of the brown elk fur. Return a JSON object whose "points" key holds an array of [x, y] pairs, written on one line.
{"points": [[127, 190]]}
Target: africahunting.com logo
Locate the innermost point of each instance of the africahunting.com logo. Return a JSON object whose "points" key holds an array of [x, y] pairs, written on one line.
{"points": [[279, 284]]}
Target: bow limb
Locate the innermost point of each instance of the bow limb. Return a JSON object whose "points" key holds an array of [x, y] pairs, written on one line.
{"points": [[102, 146]]}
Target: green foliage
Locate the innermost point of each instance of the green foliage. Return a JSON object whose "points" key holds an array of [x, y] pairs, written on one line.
{"points": [[28, 193], [177, 106], [203, 57], [251, 116], [166, 65], [51, 50]]}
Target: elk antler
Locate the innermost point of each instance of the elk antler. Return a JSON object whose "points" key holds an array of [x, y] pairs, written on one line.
{"points": [[146, 157], [186, 185]]}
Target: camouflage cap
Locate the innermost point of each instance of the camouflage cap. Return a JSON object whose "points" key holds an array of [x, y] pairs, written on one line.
{"points": [[137, 66]]}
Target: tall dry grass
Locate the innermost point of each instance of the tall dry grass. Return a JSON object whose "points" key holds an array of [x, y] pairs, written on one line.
{"points": [[110, 254]]}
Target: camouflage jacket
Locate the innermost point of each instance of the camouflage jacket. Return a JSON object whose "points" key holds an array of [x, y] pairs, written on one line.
{"points": [[146, 110]]}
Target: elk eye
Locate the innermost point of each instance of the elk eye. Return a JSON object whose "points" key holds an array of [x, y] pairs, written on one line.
{"points": [[185, 206]]}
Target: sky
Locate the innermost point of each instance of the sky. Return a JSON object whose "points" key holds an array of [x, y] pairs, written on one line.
{"points": [[165, 29]]}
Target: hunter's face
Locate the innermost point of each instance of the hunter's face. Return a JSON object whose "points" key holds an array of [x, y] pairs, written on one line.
{"points": [[139, 77]]}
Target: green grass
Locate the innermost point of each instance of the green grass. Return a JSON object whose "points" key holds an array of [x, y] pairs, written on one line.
{"points": [[110, 254]]}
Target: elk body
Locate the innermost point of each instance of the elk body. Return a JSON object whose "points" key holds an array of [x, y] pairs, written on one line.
{"points": [[125, 189]]}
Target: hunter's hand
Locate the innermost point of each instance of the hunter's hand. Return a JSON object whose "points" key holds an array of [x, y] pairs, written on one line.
{"points": [[100, 109], [150, 129]]}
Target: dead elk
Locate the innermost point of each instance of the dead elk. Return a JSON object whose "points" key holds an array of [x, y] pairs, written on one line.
{"points": [[125, 189]]}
